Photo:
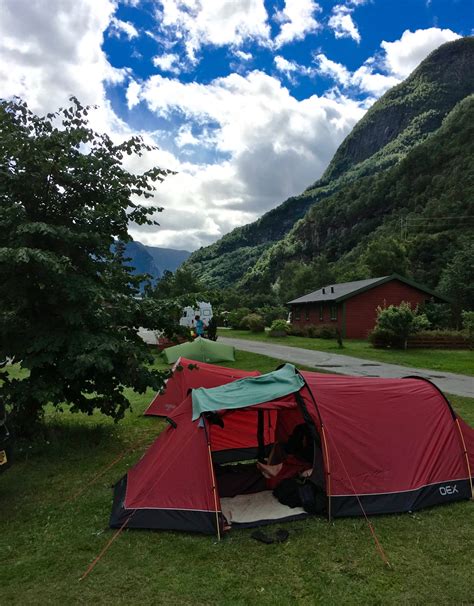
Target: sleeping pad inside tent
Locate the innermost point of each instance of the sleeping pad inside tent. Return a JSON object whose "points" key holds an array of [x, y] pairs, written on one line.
{"points": [[340, 446]]}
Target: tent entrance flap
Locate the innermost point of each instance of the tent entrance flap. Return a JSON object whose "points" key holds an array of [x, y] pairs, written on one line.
{"points": [[247, 392]]}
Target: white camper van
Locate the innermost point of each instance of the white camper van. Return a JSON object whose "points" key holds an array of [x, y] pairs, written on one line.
{"points": [[189, 313]]}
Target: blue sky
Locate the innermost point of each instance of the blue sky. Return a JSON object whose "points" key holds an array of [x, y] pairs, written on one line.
{"points": [[247, 99]]}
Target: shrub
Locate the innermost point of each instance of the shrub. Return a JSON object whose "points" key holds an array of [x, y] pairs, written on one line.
{"points": [[310, 330], [439, 314], [270, 314], [396, 323], [295, 330], [253, 322], [279, 328], [326, 331], [235, 317], [468, 325], [313, 331], [455, 334]]}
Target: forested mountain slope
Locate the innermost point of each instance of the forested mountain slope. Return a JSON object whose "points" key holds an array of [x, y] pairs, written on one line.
{"points": [[396, 124], [422, 208]]}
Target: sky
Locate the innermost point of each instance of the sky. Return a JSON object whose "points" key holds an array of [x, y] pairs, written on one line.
{"points": [[247, 100]]}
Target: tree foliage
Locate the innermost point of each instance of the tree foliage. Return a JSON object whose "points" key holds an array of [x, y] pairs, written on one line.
{"points": [[69, 310], [298, 279], [385, 256], [457, 279], [396, 323], [253, 322], [182, 282]]}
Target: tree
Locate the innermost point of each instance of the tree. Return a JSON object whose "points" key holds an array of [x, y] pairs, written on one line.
{"points": [[69, 307], [385, 256], [298, 279], [457, 279], [174, 285]]}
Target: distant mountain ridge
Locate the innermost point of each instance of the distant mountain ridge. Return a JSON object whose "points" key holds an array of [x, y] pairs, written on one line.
{"points": [[400, 121], [153, 260]]}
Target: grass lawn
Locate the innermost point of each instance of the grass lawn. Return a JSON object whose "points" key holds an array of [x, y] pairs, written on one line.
{"points": [[447, 360], [47, 540]]}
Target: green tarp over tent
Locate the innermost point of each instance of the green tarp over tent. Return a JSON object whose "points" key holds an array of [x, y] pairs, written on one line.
{"points": [[201, 350], [247, 392]]}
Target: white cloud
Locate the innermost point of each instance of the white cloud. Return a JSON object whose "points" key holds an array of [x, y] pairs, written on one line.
{"points": [[402, 56], [342, 24], [297, 20], [291, 68], [334, 70], [364, 79], [272, 144], [186, 137], [123, 27], [243, 55], [208, 22], [48, 55], [398, 60], [375, 83], [132, 94], [168, 63], [285, 66]]}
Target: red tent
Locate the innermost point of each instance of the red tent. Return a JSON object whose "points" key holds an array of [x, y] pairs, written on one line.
{"points": [[381, 446], [189, 374], [239, 441]]}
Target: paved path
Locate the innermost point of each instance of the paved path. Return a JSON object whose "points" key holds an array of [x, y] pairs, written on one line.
{"points": [[449, 382]]}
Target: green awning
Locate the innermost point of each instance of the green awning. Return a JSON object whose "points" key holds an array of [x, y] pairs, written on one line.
{"points": [[247, 392]]}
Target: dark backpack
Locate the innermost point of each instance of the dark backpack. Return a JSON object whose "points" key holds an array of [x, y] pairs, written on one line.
{"points": [[296, 492]]}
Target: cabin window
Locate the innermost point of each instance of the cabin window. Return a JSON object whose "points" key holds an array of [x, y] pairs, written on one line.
{"points": [[306, 314], [297, 314], [321, 312], [333, 310]]}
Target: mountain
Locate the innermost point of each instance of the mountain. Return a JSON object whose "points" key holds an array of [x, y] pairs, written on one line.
{"points": [[167, 259], [152, 259], [399, 123], [424, 204]]}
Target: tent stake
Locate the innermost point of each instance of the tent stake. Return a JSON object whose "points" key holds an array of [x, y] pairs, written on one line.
{"points": [[378, 545], [109, 543]]}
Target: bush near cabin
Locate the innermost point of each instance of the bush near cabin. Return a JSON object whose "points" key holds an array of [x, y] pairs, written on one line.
{"points": [[396, 323]]}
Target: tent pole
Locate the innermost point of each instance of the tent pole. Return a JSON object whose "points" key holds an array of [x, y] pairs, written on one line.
{"points": [[328, 473], [213, 478], [467, 459]]}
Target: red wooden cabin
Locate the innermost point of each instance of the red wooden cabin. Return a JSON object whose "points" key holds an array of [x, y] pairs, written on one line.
{"points": [[352, 306]]}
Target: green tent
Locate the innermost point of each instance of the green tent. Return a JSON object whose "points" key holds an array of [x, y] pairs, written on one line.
{"points": [[248, 391], [201, 350]]}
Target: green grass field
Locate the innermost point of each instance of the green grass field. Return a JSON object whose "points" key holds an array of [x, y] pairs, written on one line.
{"points": [[48, 539], [453, 360]]}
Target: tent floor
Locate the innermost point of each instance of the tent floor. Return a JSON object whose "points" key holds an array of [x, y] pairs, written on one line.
{"points": [[258, 509]]}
